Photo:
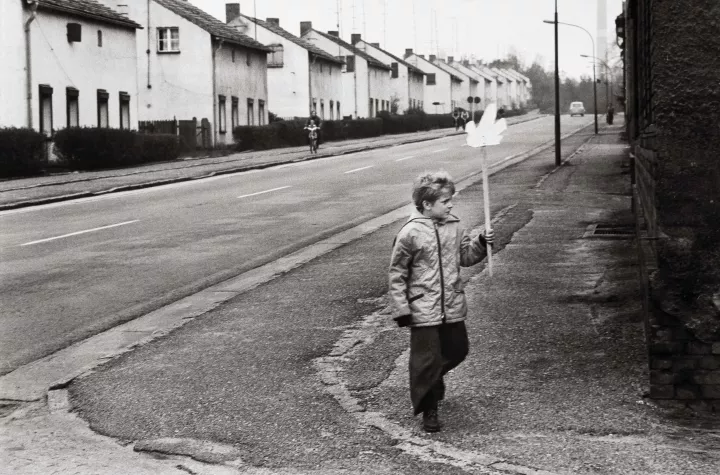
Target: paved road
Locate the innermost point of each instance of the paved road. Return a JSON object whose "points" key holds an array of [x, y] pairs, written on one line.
{"points": [[74, 269]]}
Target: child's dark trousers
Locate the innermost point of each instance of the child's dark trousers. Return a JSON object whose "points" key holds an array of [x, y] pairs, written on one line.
{"points": [[433, 352]]}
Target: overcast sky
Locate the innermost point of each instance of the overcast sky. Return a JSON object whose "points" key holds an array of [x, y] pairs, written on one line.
{"points": [[487, 29]]}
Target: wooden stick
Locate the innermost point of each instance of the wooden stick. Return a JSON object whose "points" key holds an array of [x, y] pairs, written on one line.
{"points": [[486, 203]]}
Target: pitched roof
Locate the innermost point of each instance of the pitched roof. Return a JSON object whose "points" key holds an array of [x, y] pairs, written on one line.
{"points": [[498, 77], [372, 61], [89, 9], [298, 41], [435, 66], [449, 69], [401, 61], [210, 24]]}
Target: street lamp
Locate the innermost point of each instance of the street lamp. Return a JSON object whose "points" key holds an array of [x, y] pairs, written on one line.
{"points": [[592, 40], [558, 158], [608, 83]]}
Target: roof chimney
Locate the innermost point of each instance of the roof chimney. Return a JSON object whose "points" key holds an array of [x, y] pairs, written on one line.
{"points": [[305, 26], [408, 52], [451, 59], [273, 21], [355, 38], [232, 11], [334, 33], [466, 63], [422, 56], [433, 58], [377, 45]]}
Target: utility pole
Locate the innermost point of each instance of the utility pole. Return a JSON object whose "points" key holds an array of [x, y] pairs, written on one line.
{"points": [[558, 158]]}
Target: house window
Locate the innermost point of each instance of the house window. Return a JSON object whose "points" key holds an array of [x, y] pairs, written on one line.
{"points": [[222, 115], [332, 111], [100, 38], [377, 103], [103, 111], [394, 72], [168, 40], [314, 109], [235, 112], [276, 57], [337, 104], [350, 64], [247, 58], [73, 106], [322, 109], [46, 110], [431, 79], [261, 112], [232, 54], [370, 107], [124, 110], [250, 111]]}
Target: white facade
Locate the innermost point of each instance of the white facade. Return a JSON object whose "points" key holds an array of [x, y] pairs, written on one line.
{"points": [[299, 80], [405, 83], [13, 91], [205, 77], [462, 90], [482, 85], [90, 82], [326, 88], [491, 84], [438, 88]]}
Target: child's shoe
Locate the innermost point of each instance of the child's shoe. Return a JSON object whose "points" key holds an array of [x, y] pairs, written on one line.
{"points": [[430, 420]]}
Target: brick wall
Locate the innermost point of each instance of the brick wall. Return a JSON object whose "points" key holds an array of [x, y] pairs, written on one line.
{"points": [[672, 72]]}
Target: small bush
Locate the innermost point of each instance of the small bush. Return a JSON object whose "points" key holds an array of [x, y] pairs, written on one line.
{"points": [[22, 152], [158, 147], [90, 148]]}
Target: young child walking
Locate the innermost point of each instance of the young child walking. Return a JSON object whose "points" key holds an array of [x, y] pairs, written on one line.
{"points": [[427, 292]]}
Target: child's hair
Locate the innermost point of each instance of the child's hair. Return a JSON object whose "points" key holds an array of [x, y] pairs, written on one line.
{"points": [[430, 186]]}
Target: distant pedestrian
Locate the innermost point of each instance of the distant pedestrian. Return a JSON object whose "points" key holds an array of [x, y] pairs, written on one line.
{"points": [[456, 118], [465, 116], [426, 290]]}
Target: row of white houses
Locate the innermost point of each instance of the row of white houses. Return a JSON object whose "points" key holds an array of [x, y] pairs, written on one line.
{"points": [[114, 63]]}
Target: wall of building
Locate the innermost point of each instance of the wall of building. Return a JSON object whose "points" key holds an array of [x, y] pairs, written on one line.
{"points": [[440, 92], [380, 88], [83, 65], [288, 87], [396, 87], [245, 77], [13, 112], [417, 90], [673, 128], [327, 88]]}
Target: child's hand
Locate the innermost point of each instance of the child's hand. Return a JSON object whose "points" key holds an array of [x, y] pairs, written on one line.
{"points": [[487, 238]]}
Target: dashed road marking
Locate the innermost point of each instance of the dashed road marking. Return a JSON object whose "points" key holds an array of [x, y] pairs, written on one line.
{"points": [[79, 232], [405, 158], [358, 169], [263, 192]]}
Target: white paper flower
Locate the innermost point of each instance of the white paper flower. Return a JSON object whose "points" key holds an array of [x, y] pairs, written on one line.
{"points": [[488, 131]]}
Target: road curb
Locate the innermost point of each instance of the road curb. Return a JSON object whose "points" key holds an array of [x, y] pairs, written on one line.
{"points": [[237, 169]]}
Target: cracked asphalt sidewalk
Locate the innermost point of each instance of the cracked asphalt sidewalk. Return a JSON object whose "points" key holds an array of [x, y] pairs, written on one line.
{"points": [[555, 382]]}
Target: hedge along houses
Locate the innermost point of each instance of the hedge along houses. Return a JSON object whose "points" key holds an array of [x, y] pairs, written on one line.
{"points": [[438, 83], [301, 76], [191, 65], [69, 63], [365, 80], [406, 81]]}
